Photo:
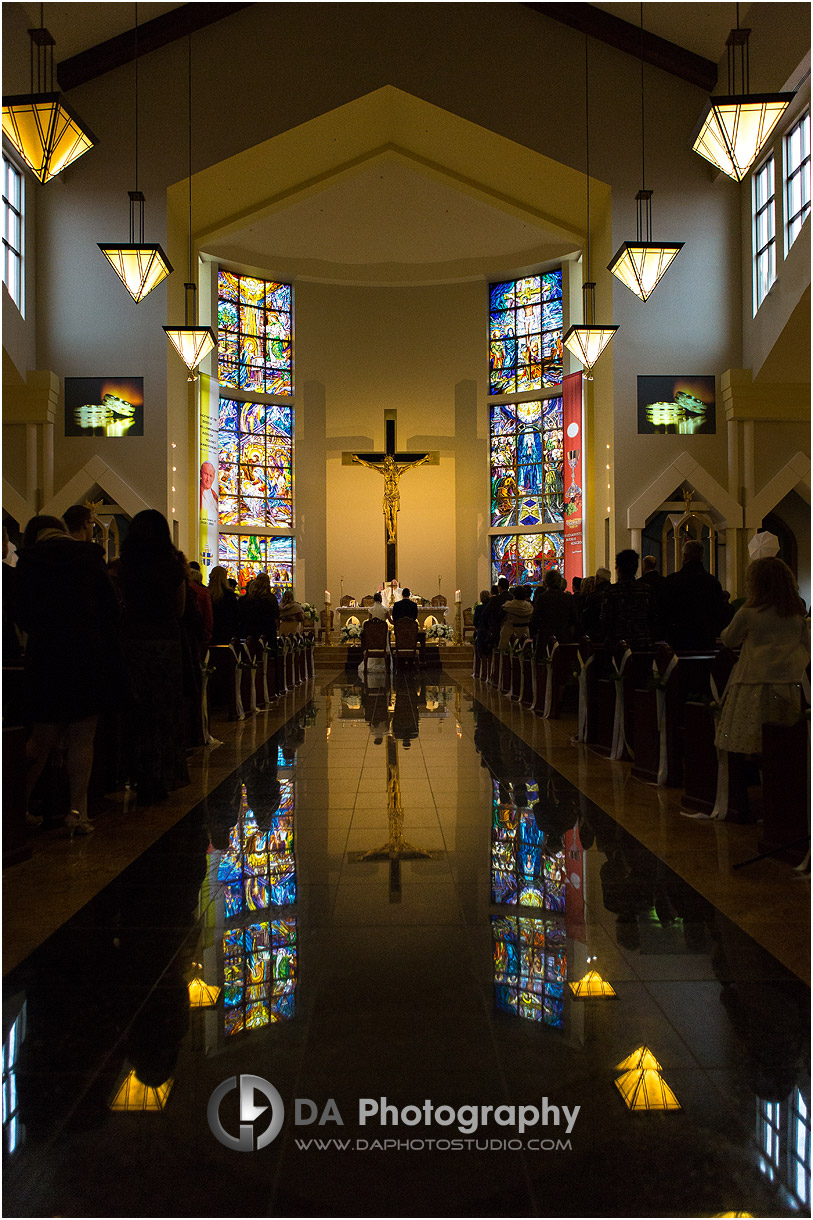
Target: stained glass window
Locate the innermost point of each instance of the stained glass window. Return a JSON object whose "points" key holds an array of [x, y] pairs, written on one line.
{"points": [[527, 482], [244, 556], [529, 968], [525, 326], [259, 870], [255, 334], [525, 558], [255, 449]]}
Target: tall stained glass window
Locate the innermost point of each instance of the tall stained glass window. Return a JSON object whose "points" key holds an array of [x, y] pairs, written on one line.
{"points": [[527, 477], [255, 334], [525, 351], [255, 438]]}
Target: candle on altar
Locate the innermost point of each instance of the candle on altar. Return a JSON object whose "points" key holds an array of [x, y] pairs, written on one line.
{"points": [[457, 595], [327, 598]]}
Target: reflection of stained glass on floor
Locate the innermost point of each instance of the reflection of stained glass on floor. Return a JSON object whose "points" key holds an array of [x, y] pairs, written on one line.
{"points": [[783, 1137], [524, 871], [260, 970], [529, 968], [257, 871]]}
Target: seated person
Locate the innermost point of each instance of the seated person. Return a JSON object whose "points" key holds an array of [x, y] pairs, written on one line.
{"points": [[517, 613], [378, 610], [405, 608], [292, 616]]}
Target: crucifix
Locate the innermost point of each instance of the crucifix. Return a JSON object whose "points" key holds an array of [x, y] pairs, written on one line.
{"points": [[391, 465]]}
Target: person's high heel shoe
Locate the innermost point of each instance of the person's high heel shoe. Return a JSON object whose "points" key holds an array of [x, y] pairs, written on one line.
{"points": [[78, 823]]}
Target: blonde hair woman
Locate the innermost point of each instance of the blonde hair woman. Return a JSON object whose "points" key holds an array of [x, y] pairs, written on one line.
{"points": [[292, 616], [765, 684]]}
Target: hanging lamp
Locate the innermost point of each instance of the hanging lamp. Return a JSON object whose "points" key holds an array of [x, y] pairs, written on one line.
{"points": [[589, 340], [46, 132], [733, 129], [140, 267], [190, 341], [642, 264]]}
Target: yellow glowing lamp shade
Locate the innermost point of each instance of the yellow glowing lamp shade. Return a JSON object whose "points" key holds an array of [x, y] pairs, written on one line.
{"points": [[139, 267], [721, 1214], [646, 1090], [202, 995], [592, 987], [642, 264], [134, 1096], [45, 131], [191, 343], [733, 130], [588, 342], [641, 1057]]}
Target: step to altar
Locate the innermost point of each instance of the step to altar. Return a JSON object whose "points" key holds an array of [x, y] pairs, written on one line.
{"points": [[437, 656]]}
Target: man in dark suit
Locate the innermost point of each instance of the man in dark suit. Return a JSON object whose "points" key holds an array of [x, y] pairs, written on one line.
{"points": [[692, 602], [405, 608]]}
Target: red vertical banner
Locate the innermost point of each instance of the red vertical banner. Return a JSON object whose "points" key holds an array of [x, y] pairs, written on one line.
{"points": [[574, 887], [572, 461]]}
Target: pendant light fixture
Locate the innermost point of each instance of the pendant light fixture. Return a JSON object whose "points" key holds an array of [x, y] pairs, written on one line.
{"points": [[589, 340], [190, 341], [734, 129], [642, 264], [46, 132], [140, 267]]}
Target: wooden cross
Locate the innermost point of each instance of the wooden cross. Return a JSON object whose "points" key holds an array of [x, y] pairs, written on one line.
{"points": [[392, 471]]}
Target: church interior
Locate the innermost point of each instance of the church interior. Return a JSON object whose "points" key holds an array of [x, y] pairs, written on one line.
{"points": [[392, 312]]}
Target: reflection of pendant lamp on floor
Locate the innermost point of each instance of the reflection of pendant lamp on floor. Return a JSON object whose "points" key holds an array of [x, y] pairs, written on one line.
{"points": [[592, 987], [641, 264], [140, 267], [733, 129], [190, 341], [589, 340], [46, 132]]}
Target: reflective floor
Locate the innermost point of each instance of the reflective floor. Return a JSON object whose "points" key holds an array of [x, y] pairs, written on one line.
{"points": [[386, 910]]}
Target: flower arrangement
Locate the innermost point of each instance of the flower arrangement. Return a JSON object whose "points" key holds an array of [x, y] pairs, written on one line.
{"points": [[440, 631], [350, 633], [310, 612]]}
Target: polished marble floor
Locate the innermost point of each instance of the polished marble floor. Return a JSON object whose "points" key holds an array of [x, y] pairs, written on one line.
{"points": [[394, 892]]}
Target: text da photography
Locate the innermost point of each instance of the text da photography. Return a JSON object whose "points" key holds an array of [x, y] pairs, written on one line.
{"points": [[467, 1119]]}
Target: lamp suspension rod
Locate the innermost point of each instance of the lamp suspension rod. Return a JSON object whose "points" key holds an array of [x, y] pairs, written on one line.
{"points": [[643, 146], [587, 147], [189, 101], [136, 96]]}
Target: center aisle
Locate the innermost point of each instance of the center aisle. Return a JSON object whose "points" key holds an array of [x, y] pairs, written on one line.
{"points": [[427, 983]]}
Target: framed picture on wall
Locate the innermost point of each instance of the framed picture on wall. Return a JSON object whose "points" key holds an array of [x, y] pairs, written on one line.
{"points": [[104, 406], [677, 406]]}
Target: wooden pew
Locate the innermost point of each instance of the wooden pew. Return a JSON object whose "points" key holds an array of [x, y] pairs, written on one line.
{"points": [[590, 660], [528, 666]]}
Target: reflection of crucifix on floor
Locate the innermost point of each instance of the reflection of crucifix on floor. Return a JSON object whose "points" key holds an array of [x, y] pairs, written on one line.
{"points": [[391, 465], [396, 848]]}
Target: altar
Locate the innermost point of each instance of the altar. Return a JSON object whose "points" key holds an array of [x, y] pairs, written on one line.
{"points": [[426, 615]]}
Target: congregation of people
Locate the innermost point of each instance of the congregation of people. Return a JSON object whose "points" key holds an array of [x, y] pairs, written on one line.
{"points": [[112, 653], [688, 610]]}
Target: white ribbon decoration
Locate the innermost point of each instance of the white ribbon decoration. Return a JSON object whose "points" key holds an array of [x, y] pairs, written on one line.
{"points": [[617, 750], [264, 664], [663, 764], [581, 734], [238, 682], [252, 686], [549, 683]]}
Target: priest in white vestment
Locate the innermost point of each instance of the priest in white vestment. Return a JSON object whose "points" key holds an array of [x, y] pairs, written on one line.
{"points": [[390, 594]]}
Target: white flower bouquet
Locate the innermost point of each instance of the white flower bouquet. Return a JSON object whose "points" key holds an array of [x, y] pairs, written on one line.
{"points": [[350, 633], [310, 612], [440, 631]]}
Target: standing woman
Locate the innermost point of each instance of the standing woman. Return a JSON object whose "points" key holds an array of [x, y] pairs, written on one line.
{"points": [[152, 579], [765, 684], [66, 604], [224, 607]]}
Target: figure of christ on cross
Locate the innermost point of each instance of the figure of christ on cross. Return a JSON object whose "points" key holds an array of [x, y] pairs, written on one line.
{"points": [[392, 466]]}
